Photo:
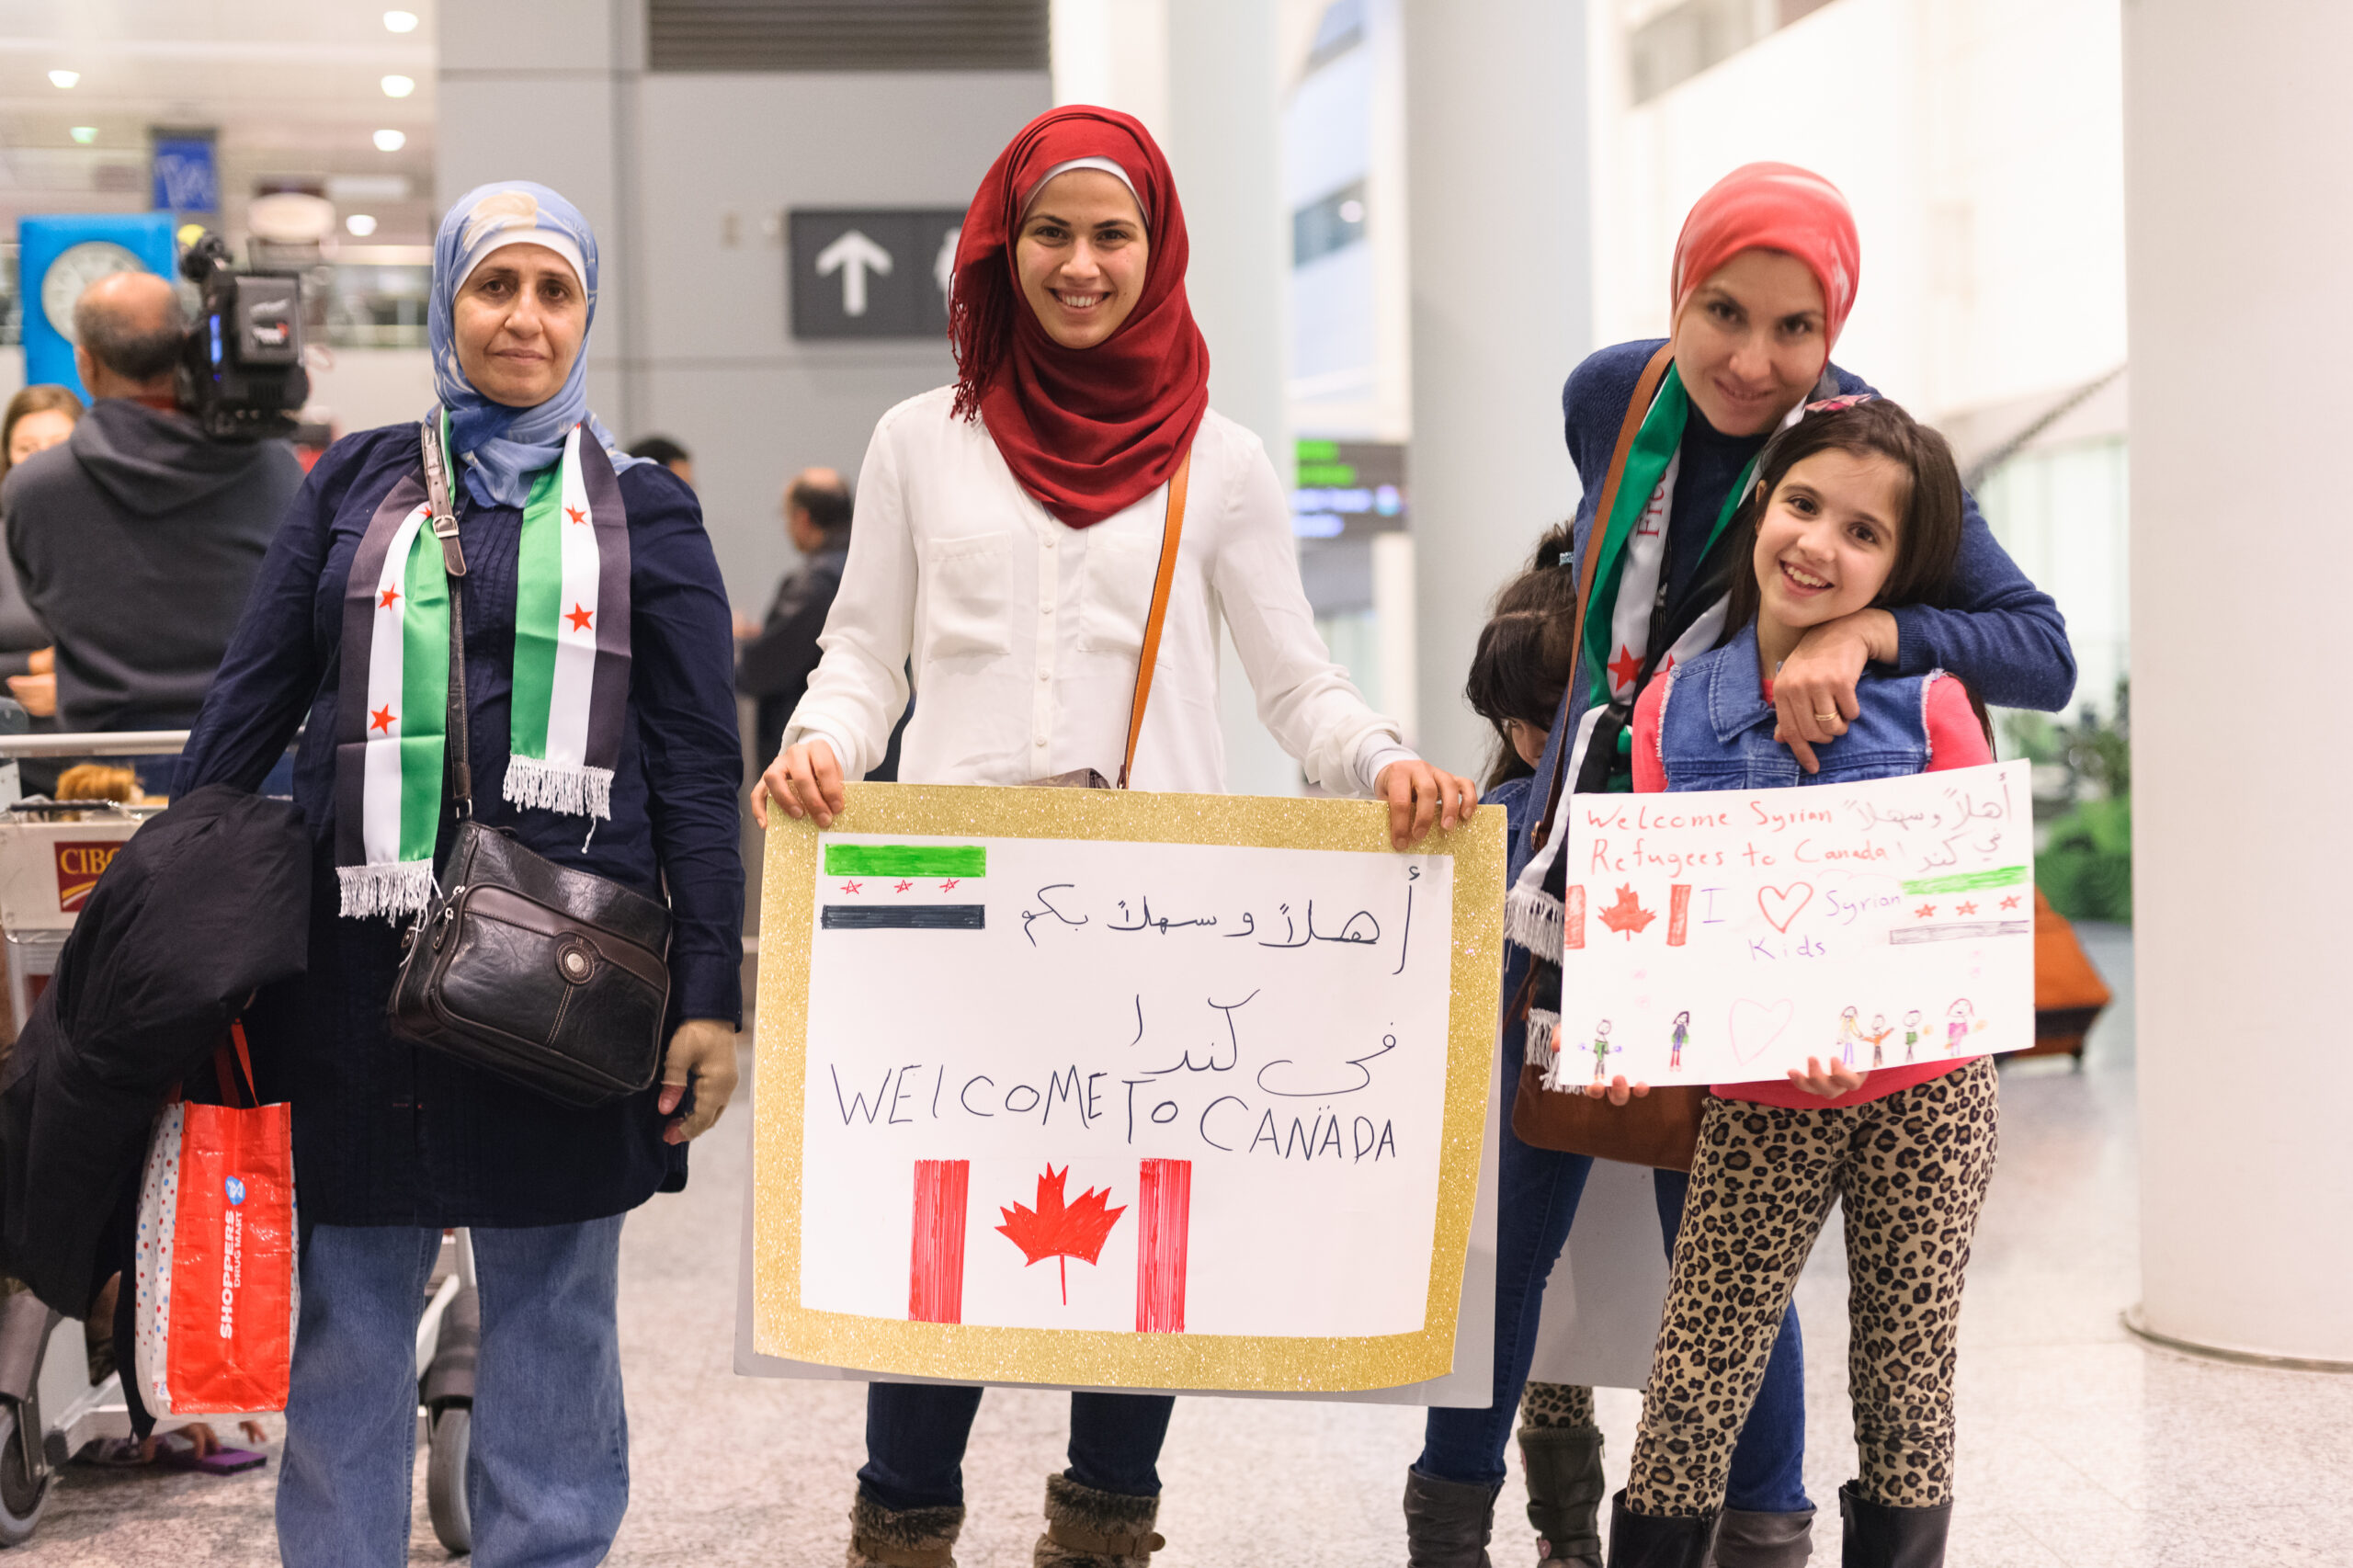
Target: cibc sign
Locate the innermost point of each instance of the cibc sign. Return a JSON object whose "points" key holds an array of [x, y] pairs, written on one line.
{"points": [[79, 865]]}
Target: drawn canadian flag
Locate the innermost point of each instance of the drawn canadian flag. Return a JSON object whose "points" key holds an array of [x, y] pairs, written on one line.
{"points": [[1057, 1229]]}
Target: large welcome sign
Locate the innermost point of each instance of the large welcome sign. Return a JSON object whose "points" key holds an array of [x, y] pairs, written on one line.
{"points": [[1125, 1090]]}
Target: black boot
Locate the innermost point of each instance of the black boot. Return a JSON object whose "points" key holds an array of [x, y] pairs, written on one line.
{"points": [[1881, 1537], [1565, 1491], [1448, 1523], [1763, 1541], [902, 1537], [1657, 1541], [1086, 1528]]}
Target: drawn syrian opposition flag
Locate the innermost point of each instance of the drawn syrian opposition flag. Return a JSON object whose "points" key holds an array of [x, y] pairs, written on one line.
{"points": [[903, 886], [1058, 1228]]}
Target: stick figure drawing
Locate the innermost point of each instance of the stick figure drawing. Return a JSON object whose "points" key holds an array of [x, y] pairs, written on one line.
{"points": [[1912, 1031], [1602, 1050], [1682, 1037]]}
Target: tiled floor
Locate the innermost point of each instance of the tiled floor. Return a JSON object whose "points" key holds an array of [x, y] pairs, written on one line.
{"points": [[2079, 1446]]}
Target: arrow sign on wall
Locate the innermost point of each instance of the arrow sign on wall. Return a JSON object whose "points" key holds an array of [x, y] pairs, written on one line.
{"points": [[852, 256]]}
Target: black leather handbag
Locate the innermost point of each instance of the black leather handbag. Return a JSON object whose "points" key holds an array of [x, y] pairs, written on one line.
{"points": [[551, 978]]}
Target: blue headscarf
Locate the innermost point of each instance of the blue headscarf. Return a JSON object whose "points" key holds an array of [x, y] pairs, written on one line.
{"points": [[499, 448]]}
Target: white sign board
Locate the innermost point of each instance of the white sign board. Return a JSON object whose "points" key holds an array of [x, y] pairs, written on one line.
{"points": [[1174, 1112], [1728, 936]]}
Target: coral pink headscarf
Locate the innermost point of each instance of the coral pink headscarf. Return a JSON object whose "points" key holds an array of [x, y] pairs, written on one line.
{"points": [[1088, 431], [1774, 207]]}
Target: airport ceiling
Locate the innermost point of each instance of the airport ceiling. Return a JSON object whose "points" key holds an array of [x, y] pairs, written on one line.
{"points": [[296, 90]]}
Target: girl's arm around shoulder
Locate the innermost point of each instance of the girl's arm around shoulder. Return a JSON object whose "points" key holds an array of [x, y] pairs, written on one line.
{"points": [[1955, 737]]}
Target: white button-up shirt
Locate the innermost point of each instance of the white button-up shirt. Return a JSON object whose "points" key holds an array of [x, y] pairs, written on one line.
{"points": [[1024, 632]]}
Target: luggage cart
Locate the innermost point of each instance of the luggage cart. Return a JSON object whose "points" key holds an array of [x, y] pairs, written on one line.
{"points": [[51, 856]]}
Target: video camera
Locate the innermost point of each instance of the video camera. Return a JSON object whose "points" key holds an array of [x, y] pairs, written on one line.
{"points": [[240, 368]]}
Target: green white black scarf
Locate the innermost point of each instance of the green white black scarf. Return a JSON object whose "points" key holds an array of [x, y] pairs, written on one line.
{"points": [[570, 674]]}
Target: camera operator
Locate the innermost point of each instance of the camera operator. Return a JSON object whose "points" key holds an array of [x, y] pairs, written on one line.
{"points": [[137, 539]]}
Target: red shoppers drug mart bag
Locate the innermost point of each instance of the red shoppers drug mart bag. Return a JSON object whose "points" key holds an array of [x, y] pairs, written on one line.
{"points": [[217, 1292]]}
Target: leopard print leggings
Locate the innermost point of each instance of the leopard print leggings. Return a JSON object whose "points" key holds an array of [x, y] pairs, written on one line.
{"points": [[1556, 1404], [1911, 1171]]}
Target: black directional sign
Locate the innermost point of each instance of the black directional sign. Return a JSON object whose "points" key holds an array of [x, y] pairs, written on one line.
{"points": [[873, 272]]}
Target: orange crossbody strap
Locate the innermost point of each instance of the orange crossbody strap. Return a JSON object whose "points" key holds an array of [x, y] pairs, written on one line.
{"points": [[1172, 528], [1638, 408]]}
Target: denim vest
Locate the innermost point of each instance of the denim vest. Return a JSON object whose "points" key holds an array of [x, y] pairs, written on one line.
{"points": [[1716, 729]]}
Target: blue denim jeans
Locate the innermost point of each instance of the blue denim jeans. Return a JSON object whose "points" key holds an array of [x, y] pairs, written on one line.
{"points": [[915, 1435], [1537, 1191], [548, 1477]]}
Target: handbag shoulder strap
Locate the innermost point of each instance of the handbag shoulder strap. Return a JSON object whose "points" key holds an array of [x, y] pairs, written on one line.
{"points": [[1172, 528], [453, 560], [1638, 408]]}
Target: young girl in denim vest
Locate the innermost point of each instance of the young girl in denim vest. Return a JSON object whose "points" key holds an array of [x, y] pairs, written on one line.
{"points": [[1855, 506]]}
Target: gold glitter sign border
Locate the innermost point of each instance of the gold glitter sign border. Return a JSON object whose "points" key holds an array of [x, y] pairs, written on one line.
{"points": [[1090, 1358]]}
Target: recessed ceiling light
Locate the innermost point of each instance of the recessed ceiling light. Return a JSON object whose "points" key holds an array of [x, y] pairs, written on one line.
{"points": [[390, 141], [63, 78], [83, 134], [398, 86], [399, 21], [359, 225]]}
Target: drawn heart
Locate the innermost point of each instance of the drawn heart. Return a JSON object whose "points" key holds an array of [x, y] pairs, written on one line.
{"points": [[1755, 1026], [1781, 905]]}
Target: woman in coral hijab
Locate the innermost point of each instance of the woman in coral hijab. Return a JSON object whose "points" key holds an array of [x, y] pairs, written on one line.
{"points": [[1007, 538], [1763, 277]]}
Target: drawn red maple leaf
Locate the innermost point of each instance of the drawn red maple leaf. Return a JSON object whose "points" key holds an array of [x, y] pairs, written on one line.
{"points": [[1626, 916], [1060, 1231]]}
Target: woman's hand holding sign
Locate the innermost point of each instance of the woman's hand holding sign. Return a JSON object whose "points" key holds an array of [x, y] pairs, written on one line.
{"points": [[804, 779], [1421, 796]]}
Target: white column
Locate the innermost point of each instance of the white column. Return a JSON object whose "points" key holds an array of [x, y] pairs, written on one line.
{"points": [[1223, 139], [1502, 310], [2239, 204]]}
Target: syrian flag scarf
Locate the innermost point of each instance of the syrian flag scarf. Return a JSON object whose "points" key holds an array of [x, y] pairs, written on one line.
{"points": [[571, 674]]}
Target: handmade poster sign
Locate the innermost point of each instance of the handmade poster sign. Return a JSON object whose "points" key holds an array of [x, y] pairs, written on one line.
{"points": [[1726, 936], [1121, 1090]]}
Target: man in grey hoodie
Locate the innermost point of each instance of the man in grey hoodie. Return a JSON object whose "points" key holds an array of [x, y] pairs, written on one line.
{"points": [[137, 539]]}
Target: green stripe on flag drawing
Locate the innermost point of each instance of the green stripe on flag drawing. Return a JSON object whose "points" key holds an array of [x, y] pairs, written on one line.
{"points": [[1969, 881], [906, 861]]}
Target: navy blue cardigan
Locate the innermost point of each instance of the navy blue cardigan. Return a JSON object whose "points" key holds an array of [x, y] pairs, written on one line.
{"points": [[386, 1134]]}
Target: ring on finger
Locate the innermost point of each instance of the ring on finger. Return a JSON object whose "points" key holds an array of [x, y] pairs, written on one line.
{"points": [[1827, 718]]}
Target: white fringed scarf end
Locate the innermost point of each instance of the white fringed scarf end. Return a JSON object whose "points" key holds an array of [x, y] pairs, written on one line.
{"points": [[1533, 920], [1543, 1032], [403, 887], [558, 787]]}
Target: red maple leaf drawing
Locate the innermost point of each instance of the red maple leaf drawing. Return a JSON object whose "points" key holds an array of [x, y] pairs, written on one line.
{"points": [[1058, 1232], [1627, 914]]}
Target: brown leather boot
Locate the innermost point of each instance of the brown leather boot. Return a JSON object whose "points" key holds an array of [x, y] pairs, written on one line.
{"points": [[1564, 1492], [902, 1537], [1086, 1528]]}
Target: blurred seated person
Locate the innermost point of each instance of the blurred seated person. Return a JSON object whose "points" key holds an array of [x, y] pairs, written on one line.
{"points": [[137, 539], [39, 417], [779, 654], [668, 453]]}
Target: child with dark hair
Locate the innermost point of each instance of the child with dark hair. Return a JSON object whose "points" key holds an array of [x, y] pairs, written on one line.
{"points": [[1522, 663], [1855, 506]]}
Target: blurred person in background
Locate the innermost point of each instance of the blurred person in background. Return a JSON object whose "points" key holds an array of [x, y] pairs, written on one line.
{"points": [[392, 1142], [668, 453], [780, 654], [37, 418], [137, 538]]}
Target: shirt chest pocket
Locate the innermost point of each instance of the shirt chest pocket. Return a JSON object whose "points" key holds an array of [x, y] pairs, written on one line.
{"points": [[1117, 593], [968, 597]]}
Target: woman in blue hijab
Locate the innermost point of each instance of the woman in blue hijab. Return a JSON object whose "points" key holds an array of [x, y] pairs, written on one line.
{"points": [[603, 735]]}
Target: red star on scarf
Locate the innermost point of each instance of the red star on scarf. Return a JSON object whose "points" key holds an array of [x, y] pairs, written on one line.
{"points": [[382, 718], [386, 602], [903, 886], [2012, 901], [1924, 912], [578, 617], [1624, 667], [852, 887], [576, 514], [1964, 909]]}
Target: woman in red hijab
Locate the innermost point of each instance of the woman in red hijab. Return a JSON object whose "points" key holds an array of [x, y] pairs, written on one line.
{"points": [[1008, 536], [1764, 279]]}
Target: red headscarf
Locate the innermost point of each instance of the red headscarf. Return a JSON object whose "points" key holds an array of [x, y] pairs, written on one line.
{"points": [[1774, 207], [1088, 431]]}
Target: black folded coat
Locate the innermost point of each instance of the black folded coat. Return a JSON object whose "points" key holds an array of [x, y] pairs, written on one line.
{"points": [[200, 908]]}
